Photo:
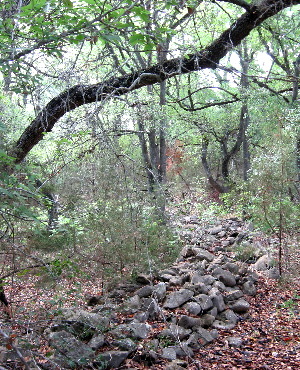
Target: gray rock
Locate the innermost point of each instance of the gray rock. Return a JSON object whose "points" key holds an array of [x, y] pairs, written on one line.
{"points": [[125, 344], [207, 320], [175, 332], [177, 365], [145, 291], [220, 286], [143, 279], [207, 279], [214, 333], [176, 280], [203, 254], [263, 263], [225, 243], [70, 352], [213, 312], [215, 230], [233, 294], [192, 342], [178, 298], [199, 288], [228, 316], [204, 301], [240, 306], [169, 353], [170, 271], [249, 288], [187, 252], [183, 350], [134, 303], [90, 319], [204, 336], [152, 345], [273, 273], [226, 320], [110, 359], [193, 308], [188, 322], [224, 276], [141, 317], [140, 330], [218, 301], [97, 342], [196, 278], [232, 267], [159, 291], [234, 341], [151, 307], [166, 277], [221, 325]]}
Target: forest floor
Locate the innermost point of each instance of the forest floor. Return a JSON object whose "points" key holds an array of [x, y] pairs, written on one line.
{"points": [[270, 336]]}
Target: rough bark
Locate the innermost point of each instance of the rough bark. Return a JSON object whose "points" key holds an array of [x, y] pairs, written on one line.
{"points": [[146, 157], [214, 183], [208, 57], [294, 99]]}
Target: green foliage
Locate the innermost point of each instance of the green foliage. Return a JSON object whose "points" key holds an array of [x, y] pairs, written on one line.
{"points": [[63, 266], [17, 199], [292, 304]]}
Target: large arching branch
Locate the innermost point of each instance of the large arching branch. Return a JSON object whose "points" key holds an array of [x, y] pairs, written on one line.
{"points": [[208, 57]]}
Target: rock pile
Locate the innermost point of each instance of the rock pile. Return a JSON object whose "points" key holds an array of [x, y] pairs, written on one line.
{"points": [[167, 316]]}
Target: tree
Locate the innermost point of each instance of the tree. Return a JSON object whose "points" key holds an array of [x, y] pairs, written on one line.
{"points": [[206, 58]]}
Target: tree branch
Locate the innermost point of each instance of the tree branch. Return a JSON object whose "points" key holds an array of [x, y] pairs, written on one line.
{"points": [[208, 57]]}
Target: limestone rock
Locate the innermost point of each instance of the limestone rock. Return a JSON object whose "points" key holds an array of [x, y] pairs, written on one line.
{"points": [[193, 308], [203, 254], [140, 330], [233, 294], [249, 288], [234, 341], [204, 301], [224, 276], [126, 344], [97, 342], [110, 359], [69, 351], [177, 365], [159, 291], [175, 332], [204, 336], [143, 279], [188, 322], [215, 230], [178, 298], [151, 307], [240, 306], [169, 353], [145, 291]]}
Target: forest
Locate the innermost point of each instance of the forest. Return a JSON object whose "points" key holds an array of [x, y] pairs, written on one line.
{"points": [[150, 157]]}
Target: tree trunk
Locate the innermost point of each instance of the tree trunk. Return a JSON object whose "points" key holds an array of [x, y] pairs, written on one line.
{"points": [[245, 60], [294, 99], [145, 155], [246, 152], [214, 183]]}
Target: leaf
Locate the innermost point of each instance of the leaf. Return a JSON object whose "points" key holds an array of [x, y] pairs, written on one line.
{"points": [[137, 38], [142, 13], [68, 3]]}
